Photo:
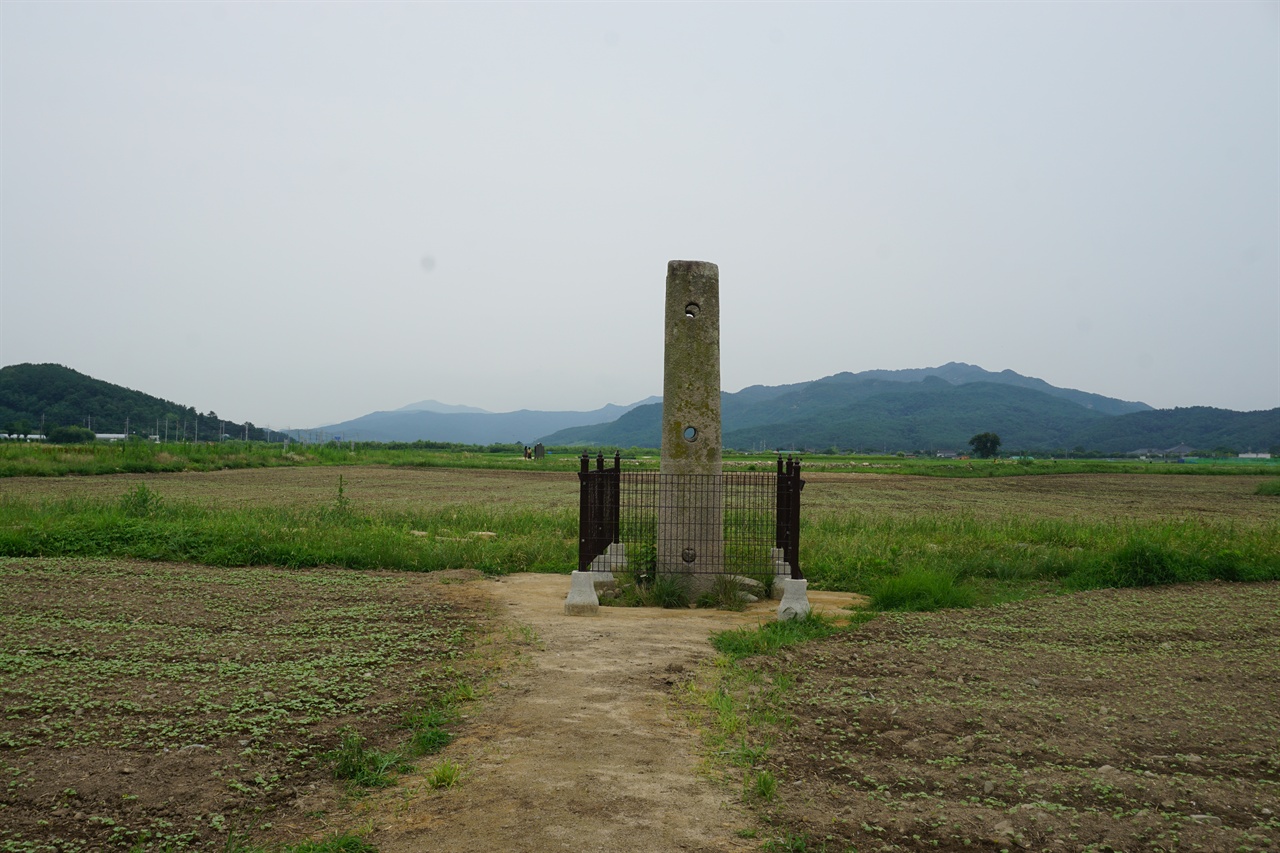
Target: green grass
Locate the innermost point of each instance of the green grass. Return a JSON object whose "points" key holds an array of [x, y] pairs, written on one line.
{"points": [[446, 774], [768, 638], [639, 589], [1269, 487], [965, 560], [141, 525], [344, 843], [362, 766], [922, 590]]}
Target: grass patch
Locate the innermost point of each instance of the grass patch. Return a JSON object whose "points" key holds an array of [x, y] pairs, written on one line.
{"points": [[336, 844], [768, 638], [1270, 488], [141, 524], [446, 774], [661, 589], [362, 766], [922, 589]]}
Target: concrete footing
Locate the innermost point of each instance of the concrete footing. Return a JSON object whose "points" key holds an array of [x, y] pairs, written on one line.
{"points": [[795, 599], [781, 572], [613, 558], [582, 599]]}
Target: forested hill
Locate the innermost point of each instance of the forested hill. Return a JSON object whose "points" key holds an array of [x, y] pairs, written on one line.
{"points": [[53, 395], [867, 412]]}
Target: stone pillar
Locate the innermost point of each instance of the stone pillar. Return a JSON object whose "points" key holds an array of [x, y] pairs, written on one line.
{"points": [[691, 505]]}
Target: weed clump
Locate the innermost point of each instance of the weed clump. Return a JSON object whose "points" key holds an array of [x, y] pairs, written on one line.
{"points": [[745, 642], [362, 766], [660, 589], [918, 589], [446, 774]]}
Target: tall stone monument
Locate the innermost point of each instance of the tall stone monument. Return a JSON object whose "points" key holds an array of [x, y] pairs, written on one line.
{"points": [[691, 503]]}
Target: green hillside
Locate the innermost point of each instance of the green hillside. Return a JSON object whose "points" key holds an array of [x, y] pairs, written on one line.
{"points": [[1201, 427], [854, 412], [39, 397]]}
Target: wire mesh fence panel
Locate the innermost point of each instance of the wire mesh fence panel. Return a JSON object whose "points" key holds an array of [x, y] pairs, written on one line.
{"points": [[730, 523], [730, 517]]}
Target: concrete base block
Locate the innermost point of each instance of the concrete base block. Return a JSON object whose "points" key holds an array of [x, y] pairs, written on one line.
{"points": [[613, 559], [781, 572], [795, 600], [582, 599]]}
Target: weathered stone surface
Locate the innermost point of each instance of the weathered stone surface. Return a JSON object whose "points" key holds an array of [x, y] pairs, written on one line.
{"points": [[691, 370], [691, 506]]}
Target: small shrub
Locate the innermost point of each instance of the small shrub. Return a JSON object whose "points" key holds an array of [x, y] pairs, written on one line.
{"points": [[922, 590], [642, 559]]}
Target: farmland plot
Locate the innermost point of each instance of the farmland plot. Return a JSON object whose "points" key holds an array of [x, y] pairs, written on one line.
{"points": [[171, 706], [1111, 720]]}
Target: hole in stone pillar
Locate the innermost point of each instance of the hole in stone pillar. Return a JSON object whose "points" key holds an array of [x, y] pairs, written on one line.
{"points": [[691, 310], [690, 433]]}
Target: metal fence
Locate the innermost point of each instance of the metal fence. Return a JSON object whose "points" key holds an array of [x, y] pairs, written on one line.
{"points": [[757, 515]]}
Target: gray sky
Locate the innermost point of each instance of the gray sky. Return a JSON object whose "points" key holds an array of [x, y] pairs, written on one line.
{"points": [[300, 213]]}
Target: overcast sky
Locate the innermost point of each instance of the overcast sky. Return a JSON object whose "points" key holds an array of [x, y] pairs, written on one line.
{"points": [[298, 213]]}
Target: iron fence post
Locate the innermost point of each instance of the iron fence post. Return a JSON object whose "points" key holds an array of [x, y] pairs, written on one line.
{"points": [[584, 511]]}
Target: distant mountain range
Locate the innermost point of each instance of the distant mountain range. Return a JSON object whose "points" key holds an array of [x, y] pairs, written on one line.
{"points": [[442, 408], [430, 420], [929, 409], [940, 409]]}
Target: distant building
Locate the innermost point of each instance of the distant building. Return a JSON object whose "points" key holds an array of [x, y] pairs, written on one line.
{"points": [[111, 436], [1254, 456]]}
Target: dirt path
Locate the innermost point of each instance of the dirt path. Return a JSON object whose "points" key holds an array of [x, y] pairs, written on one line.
{"points": [[580, 747]]}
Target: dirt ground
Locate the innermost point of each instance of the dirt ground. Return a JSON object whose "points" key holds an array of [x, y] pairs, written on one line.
{"points": [[1108, 720], [581, 747]]}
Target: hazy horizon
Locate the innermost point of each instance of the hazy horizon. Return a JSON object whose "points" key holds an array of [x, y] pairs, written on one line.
{"points": [[297, 214]]}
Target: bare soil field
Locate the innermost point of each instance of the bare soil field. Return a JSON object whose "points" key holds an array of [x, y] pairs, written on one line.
{"points": [[369, 488], [1137, 497], [1107, 720], [1067, 496], [1119, 719], [167, 706]]}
